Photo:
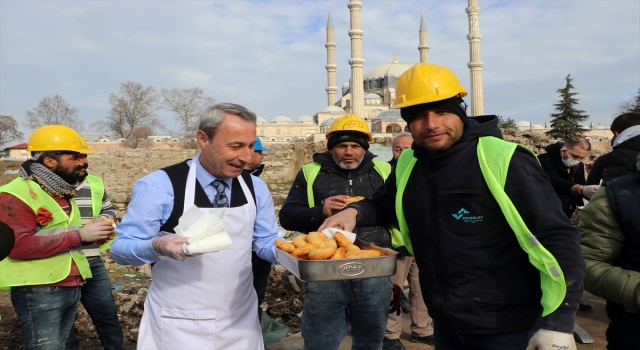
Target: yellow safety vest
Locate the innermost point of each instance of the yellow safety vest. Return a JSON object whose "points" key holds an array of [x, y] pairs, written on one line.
{"points": [[494, 156], [16, 273], [97, 191]]}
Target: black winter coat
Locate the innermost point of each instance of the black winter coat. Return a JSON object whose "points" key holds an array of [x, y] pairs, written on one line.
{"points": [[474, 276], [619, 162], [563, 178], [296, 215]]}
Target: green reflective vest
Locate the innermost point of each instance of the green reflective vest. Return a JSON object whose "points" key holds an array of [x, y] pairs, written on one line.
{"points": [[494, 156], [312, 170], [16, 273], [97, 191]]}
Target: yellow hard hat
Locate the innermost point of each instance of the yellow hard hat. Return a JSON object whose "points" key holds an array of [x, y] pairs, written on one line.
{"points": [[349, 122], [51, 138], [85, 146], [425, 83]]}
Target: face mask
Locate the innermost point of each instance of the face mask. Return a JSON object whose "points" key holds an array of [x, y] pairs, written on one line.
{"points": [[569, 162]]}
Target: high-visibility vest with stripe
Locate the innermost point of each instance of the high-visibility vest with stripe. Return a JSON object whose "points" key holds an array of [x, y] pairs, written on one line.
{"points": [[312, 170], [97, 191], [49, 270], [494, 156]]}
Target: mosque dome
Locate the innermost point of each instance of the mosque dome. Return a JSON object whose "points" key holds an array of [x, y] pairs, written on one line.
{"points": [[390, 114], [305, 118], [537, 126], [332, 109], [261, 120], [372, 95], [600, 127], [393, 69], [523, 123], [327, 122], [281, 118]]}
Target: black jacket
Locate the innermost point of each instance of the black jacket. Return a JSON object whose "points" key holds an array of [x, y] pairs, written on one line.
{"points": [[562, 178], [624, 199], [474, 276], [296, 215], [619, 162]]}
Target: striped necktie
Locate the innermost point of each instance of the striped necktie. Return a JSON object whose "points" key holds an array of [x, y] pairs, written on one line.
{"points": [[220, 200]]}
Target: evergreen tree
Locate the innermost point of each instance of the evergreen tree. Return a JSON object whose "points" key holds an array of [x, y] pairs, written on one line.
{"points": [[635, 107], [566, 122]]}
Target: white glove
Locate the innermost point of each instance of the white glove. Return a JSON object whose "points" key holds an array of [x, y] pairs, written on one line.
{"points": [[171, 246], [589, 191], [551, 340]]}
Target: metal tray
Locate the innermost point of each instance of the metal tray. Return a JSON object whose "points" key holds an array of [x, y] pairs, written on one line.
{"points": [[341, 269]]}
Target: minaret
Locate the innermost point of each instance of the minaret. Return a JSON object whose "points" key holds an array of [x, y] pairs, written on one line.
{"points": [[356, 62], [424, 47], [332, 89], [477, 106]]}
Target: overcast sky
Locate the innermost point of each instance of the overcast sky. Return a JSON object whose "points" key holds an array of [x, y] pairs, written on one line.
{"points": [[270, 55]]}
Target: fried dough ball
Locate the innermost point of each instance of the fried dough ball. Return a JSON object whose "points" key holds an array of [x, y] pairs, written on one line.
{"points": [[304, 250], [284, 245], [352, 248], [354, 199], [340, 253], [342, 240], [322, 253], [363, 254], [299, 241], [316, 239]]}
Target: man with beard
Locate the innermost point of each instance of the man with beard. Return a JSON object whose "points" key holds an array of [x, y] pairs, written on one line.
{"points": [[94, 205], [46, 267], [320, 190], [498, 259]]}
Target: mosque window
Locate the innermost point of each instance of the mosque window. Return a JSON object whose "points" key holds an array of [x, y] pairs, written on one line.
{"points": [[348, 102], [261, 132], [288, 132], [278, 132]]}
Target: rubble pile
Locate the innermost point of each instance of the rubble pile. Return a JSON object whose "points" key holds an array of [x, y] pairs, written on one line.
{"points": [[283, 300]]}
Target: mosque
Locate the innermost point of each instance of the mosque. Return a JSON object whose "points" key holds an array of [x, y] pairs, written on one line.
{"points": [[369, 95]]}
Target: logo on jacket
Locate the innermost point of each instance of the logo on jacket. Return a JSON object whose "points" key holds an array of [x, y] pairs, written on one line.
{"points": [[462, 214]]}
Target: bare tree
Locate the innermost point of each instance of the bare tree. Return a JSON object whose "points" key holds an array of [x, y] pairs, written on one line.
{"points": [[133, 106], [9, 130], [186, 105], [139, 135], [53, 110]]}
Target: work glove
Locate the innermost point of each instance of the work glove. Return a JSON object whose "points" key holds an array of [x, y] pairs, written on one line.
{"points": [[95, 232], [399, 301], [551, 340], [589, 191], [171, 246]]}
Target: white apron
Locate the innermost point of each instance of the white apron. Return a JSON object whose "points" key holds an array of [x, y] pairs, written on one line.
{"points": [[207, 301]]}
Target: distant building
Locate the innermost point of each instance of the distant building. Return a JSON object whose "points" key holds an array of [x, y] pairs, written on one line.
{"points": [[17, 151]]}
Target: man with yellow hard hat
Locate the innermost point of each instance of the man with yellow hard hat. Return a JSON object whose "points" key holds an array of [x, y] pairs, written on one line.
{"points": [[321, 189], [96, 297], [46, 266], [498, 259]]}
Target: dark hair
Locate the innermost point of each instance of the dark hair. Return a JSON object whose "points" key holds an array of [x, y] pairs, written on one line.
{"points": [[39, 157], [212, 117], [625, 121], [574, 141]]}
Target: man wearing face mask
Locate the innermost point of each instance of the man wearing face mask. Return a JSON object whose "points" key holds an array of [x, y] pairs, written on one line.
{"points": [[564, 167]]}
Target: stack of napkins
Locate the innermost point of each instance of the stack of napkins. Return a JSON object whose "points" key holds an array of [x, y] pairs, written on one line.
{"points": [[205, 230]]}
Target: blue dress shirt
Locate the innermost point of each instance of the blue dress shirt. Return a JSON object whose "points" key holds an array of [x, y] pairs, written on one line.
{"points": [[152, 203]]}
